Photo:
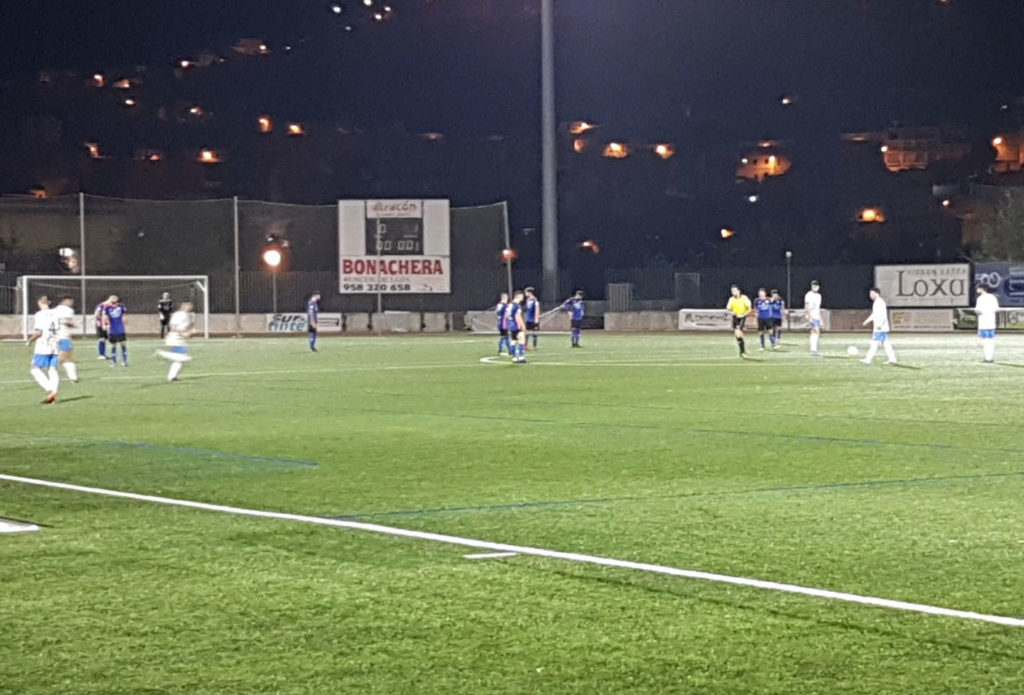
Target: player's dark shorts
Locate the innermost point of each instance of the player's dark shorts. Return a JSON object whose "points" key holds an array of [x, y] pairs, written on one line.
{"points": [[165, 319], [577, 323], [311, 328], [532, 326], [101, 333], [764, 324], [503, 332], [738, 322], [117, 337]]}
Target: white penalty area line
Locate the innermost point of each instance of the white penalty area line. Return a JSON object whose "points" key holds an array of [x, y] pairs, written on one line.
{"points": [[538, 552], [488, 556]]}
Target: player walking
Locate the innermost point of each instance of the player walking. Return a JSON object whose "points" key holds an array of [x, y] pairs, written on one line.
{"points": [[64, 313], [113, 323], [577, 310], [987, 307], [163, 311], [502, 311], [313, 318], [101, 332], [739, 306], [180, 328], [763, 305], [879, 318], [532, 317], [517, 328], [44, 354], [778, 307], [812, 310]]}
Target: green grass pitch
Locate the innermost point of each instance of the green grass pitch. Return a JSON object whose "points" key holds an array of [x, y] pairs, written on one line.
{"points": [[898, 482]]}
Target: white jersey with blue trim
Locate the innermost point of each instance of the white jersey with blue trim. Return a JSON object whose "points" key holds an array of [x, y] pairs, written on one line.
{"points": [[46, 323], [65, 316], [987, 307], [180, 324], [812, 305], [880, 316]]}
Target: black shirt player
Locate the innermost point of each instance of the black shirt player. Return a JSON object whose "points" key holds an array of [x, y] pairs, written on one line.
{"points": [[164, 308]]}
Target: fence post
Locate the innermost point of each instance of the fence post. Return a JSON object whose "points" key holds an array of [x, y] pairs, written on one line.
{"points": [[238, 272], [81, 254]]}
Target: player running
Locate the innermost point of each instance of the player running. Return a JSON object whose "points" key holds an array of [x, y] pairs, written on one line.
{"points": [[312, 319], [812, 310], [778, 311], [879, 318], [163, 311], [987, 308], [517, 328], [64, 313], [531, 317], [577, 310], [763, 306], [739, 306], [113, 323], [502, 315], [44, 354], [180, 327], [101, 332]]}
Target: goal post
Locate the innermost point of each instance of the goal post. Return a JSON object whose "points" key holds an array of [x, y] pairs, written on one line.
{"points": [[139, 294]]}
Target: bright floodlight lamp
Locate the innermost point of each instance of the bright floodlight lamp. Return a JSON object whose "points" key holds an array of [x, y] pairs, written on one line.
{"points": [[272, 257]]}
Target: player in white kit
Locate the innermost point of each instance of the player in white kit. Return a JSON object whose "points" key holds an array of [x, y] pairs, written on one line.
{"points": [[812, 310], [180, 328], [65, 313], [987, 308], [44, 357], [879, 319]]}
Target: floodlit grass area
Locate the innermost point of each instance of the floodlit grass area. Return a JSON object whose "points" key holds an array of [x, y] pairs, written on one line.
{"points": [[900, 482]]}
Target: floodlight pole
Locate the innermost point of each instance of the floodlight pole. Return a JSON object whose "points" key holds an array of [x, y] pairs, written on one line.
{"points": [[789, 284], [549, 172], [81, 254], [273, 285], [238, 273]]}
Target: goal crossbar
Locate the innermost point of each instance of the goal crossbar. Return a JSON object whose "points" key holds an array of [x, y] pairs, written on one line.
{"points": [[201, 282]]}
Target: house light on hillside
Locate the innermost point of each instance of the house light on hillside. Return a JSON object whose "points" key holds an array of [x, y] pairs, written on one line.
{"points": [[664, 150], [129, 102], [196, 110], [93, 149], [295, 129], [266, 124], [616, 150], [98, 80], [209, 156], [123, 83], [871, 215], [579, 145], [997, 141], [580, 127]]}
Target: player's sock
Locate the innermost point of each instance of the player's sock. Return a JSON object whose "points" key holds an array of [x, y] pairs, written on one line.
{"points": [[113, 354], [312, 341], [534, 341], [72, 370], [41, 378], [172, 373], [124, 355], [743, 347], [102, 347], [53, 379], [871, 352], [814, 342], [762, 341], [890, 353], [988, 346]]}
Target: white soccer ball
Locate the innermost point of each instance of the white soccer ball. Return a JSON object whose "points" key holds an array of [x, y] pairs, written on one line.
{"points": [[851, 351]]}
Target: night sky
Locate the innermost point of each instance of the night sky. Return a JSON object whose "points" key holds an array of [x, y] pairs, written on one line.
{"points": [[648, 67]]}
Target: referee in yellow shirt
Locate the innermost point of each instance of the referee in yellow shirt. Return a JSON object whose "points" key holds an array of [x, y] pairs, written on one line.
{"points": [[739, 306]]}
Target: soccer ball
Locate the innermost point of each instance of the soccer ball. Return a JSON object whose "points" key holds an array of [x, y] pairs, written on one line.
{"points": [[851, 351]]}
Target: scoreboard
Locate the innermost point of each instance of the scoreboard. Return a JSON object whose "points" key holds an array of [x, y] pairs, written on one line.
{"points": [[394, 246]]}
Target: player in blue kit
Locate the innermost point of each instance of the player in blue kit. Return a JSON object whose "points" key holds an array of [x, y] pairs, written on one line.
{"points": [[577, 310], [778, 307], [502, 315], [113, 324], [517, 328], [532, 316], [313, 318], [101, 332], [763, 307]]}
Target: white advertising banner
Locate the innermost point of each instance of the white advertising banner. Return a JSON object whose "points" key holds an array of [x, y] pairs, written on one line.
{"points": [[921, 319], [394, 246], [796, 320], [940, 285], [296, 323], [721, 320]]}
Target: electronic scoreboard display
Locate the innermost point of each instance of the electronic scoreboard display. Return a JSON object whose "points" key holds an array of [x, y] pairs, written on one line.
{"points": [[397, 236]]}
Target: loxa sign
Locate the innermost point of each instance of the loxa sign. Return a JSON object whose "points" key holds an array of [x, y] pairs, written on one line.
{"points": [[940, 285]]}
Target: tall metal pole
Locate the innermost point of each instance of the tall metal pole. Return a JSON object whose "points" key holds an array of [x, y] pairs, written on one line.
{"points": [[273, 284], [238, 274], [789, 285], [549, 182], [508, 245], [81, 254]]}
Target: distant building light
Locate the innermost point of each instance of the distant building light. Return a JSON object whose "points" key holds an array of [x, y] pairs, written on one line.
{"points": [[872, 215], [726, 232], [745, 160], [266, 124], [766, 143], [580, 127], [786, 101], [387, 9], [98, 80], [264, 49], [883, 149], [196, 110], [378, 17], [508, 255], [947, 203], [185, 64], [38, 192], [616, 150], [753, 198], [295, 129], [773, 160], [664, 151], [433, 136], [129, 102], [336, 9], [591, 246], [997, 141], [94, 150], [579, 145], [209, 156], [123, 83], [368, 3]]}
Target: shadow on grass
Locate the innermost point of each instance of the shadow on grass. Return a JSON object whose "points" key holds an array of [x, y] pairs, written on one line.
{"points": [[74, 398], [900, 365]]}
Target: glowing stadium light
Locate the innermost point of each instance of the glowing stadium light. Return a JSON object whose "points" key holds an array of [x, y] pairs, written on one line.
{"points": [[997, 141], [883, 149], [272, 257]]}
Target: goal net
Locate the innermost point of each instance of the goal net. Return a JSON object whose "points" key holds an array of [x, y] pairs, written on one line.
{"points": [[486, 321], [138, 293]]}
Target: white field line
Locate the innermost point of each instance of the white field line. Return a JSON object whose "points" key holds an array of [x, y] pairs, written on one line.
{"points": [[488, 556], [539, 552]]}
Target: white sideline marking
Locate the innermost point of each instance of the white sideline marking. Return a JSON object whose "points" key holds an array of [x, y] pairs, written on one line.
{"points": [[539, 552], [488, 556]]}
